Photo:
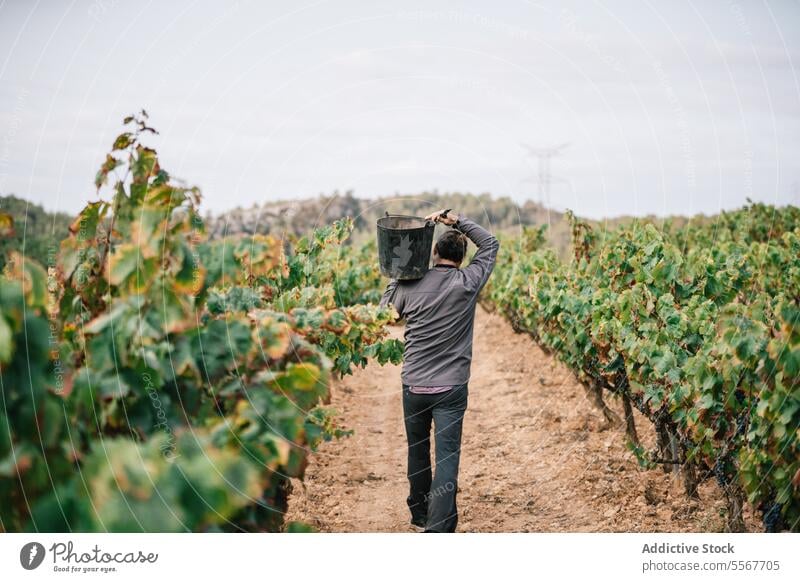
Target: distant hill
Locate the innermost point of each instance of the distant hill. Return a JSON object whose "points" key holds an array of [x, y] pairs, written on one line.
{"points": [[296, 217], [500, 214], [37, 232]]}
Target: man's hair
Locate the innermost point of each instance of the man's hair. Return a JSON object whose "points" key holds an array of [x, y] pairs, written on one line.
{"points": [[452, 246]]}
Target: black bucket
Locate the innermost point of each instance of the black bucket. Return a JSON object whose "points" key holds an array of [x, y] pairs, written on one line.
{"points": [[404, 246]]}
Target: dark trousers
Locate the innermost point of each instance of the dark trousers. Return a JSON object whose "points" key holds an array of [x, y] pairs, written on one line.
{"points": [[432, 499]]}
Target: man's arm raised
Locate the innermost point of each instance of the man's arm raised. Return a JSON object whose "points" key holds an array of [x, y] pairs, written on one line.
{"points": [[479, 269], [482, 264]]}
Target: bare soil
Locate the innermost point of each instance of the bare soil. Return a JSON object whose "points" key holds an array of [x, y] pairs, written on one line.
{"points": [[537, 456]]}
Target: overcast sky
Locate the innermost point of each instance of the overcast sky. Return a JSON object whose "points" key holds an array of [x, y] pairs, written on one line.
{"points": [[668, 107]]}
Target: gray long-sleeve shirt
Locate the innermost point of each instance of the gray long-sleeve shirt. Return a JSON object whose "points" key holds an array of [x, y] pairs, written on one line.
{"points": [[439, 310]]}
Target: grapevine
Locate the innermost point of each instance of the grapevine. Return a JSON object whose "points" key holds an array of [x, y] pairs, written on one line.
{"points": [[697, 328], [157, 381]]}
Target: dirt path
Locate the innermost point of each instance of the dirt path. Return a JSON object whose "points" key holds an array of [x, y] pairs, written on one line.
{"points": [[536, 455]]}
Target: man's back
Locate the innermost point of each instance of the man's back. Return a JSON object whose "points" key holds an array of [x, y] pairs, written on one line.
{"points": [[439, 310]]}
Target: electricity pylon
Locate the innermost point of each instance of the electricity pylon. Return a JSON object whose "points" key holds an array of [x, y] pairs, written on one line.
{"points": [[545, 177]]}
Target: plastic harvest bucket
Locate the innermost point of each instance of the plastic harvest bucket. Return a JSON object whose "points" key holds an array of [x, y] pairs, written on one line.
{"points": [[404, 246]]}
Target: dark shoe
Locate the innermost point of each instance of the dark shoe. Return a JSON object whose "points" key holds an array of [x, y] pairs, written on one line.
{"points": [[419, 511]]}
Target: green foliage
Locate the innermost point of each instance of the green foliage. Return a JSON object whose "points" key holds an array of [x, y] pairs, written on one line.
{"points": [[698, 326], [770, 460], [35, 448], [152, 381]]}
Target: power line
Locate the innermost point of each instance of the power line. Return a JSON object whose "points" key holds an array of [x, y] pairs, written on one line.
{"points": [[545, 178]]}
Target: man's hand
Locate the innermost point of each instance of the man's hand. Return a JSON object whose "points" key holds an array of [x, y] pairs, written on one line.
{"points": [[449, 219]]}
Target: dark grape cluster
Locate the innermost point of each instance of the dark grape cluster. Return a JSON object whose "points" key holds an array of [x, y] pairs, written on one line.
{"points": [[720, 473], [772, 518], [742, 422]]}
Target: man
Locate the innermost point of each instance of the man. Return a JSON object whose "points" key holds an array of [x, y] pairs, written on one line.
{"points": [[439, 310]]}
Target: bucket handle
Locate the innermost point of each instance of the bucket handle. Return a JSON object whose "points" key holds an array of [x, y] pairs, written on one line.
{"points": [[441, 214]]}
